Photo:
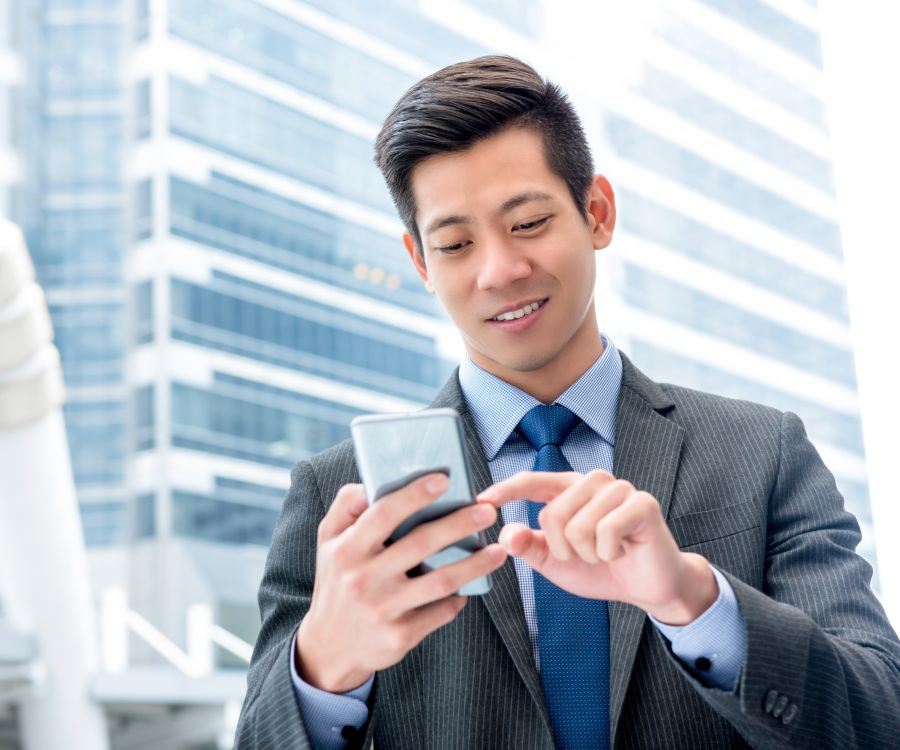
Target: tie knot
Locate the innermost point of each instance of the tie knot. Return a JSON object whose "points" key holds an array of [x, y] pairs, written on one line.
{"points": [[547, 425]]}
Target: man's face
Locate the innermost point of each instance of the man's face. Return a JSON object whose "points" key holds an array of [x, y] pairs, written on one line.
{"points": [[501, 233]]}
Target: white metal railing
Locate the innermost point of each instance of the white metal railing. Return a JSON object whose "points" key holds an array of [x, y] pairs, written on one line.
{"points": [[203, 635]]}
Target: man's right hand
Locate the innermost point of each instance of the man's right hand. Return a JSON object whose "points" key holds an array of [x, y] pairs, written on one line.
{"points": [[366, 613]]}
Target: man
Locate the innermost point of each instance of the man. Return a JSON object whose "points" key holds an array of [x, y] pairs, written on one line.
{"points": [[683, 571]]}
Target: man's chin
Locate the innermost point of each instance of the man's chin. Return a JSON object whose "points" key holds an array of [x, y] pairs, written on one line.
{"points": [[523, 362]]}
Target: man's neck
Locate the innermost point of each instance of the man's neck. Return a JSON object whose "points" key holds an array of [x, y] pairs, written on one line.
{"points": [[548, 382]]}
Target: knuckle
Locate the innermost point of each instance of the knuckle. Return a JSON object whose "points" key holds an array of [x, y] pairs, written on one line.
{"points": [[356, 583], [346, 492], [545, 517], [578, 531], [647, 501], [380, 511], [340, 553], [419, 544], [444, 582], [623, 486], [598, 477], [401, 639]]}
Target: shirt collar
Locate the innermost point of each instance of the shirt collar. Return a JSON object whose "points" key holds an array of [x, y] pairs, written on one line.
{"points": [[497, 407]]}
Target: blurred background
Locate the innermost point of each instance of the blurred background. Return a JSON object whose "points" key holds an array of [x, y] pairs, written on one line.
{"points": [[222, 266]]}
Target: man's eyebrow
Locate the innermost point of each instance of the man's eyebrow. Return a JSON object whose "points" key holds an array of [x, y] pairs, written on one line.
{"points": [[446, 221], [518, 200], [508, 205]]}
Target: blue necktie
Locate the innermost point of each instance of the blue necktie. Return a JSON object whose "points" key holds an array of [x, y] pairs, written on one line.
{"points": [[573, 632]]}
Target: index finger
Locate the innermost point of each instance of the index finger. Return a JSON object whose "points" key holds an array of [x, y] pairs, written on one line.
{"points": [[538, 486], [382, 517], [348, 505]]}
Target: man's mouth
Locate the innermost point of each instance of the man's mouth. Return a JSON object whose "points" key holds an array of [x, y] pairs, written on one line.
{"points": [[520, 312]]}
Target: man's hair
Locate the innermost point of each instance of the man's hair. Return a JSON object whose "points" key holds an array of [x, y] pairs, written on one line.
{"points": [[454, 108]]}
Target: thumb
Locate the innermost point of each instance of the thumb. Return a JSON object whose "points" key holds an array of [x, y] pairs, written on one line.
{"points": [[529, 544]]}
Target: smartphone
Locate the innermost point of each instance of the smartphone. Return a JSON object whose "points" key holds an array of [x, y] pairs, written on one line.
{"points": [[393, 450]]}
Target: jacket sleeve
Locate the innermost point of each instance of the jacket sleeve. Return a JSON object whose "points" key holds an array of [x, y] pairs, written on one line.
{"points": [[270, 717], [822, 668]]}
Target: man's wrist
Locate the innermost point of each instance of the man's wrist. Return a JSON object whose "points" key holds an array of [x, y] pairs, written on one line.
{"points": [[697, 592], [318, 668]]}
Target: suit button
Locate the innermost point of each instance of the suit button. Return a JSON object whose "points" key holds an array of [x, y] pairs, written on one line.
{"points": [[703, 664], [769, 703], [788, 716], [779, 706]]}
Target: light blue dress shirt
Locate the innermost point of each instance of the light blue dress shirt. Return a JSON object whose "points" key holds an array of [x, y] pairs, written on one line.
{"points": [[496, 407]]}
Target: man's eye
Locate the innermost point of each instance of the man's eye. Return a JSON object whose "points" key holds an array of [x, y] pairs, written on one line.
{"points": [[455, 247], [527, 226]]}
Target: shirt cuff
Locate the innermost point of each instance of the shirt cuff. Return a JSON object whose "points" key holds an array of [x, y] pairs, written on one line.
{"points": [[714, 645], [331, 718]]}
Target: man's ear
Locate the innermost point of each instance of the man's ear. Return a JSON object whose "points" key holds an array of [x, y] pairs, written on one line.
{"points": [[601, 211], [418, 260]]}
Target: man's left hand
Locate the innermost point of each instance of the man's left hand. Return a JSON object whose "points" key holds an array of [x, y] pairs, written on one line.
{"points": [[601, 538]]}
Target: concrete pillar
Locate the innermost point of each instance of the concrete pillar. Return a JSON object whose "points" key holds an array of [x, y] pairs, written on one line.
{"points": [[43, 565]]}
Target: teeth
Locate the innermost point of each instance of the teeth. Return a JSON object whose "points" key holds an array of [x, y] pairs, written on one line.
{"points": [[520, 313]]}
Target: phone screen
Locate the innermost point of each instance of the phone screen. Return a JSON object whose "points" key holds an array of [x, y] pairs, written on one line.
{"points": [[393, 450]]}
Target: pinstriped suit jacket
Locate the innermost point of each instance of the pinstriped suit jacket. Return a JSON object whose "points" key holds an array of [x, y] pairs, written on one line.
{"points": [[738, 483]]}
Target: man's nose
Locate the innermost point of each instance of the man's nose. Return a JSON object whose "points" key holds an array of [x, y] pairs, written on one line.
{"points": [[501, 263]]}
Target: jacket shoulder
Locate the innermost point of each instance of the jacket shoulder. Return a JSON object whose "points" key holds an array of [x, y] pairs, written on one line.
{"points": [[713, 420], [329, 470]]}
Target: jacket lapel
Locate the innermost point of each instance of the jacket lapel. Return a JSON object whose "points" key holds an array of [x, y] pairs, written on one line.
{"points": [[504, 601], [647, 453]]}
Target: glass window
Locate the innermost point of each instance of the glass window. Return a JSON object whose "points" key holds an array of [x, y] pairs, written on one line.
{"points": [[82, 60], [143, 121], [677, 163], [96, 431], [291, 52], [402, 24], [141, 19], [79, 247], [766, 21], [104, 523], [699, 242], [83, 152], [144, 406], [81, 4], [144, 516], [90, 341], [713, 116], [524, 17], [143, 313], [246, 220], [656, 294], [246, 420], [203, 517], [373, 353], [721, 57], [264, 132]]}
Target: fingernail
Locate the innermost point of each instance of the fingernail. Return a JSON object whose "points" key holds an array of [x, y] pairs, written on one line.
{"points": [[487, 495], [483, 513], [436, 484]]}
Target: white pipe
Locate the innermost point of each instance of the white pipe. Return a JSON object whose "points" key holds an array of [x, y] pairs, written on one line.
{"points": [[43, 565]]}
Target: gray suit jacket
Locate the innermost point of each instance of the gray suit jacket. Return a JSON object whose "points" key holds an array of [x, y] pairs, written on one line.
{"points": [[738, 483]]}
